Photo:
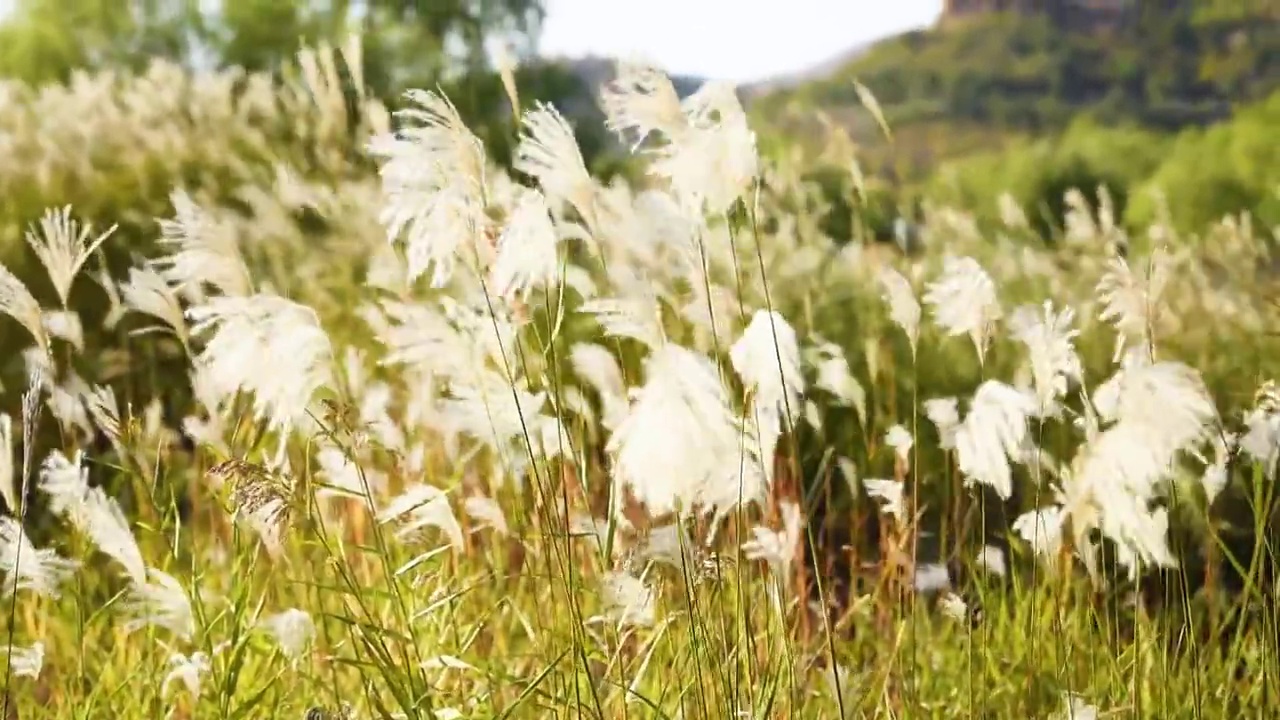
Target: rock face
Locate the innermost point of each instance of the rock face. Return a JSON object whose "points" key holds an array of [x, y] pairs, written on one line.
{"points": [[1079, 14]]}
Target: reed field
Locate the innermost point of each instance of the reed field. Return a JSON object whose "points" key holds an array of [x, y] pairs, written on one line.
{"points": [[314, 411]]}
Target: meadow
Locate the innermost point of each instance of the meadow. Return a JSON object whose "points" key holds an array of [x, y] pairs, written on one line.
{"points": [[357, 424]]}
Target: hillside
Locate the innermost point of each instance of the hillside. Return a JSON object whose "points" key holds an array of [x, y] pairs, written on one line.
{"points": [[974, 83]]}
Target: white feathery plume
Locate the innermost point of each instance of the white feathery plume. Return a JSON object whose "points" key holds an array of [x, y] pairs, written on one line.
{"points": [[18, 303], [292, 629], [1131, 302], [548, 152], [993, 432], [148, 293], [899, 438], [834, 376], [264, 345], [964, 301], [425, 506], [100, 402], [680, 442], [8, 490], [1160, 410], [92, 512], [188, 670], [40, 570], [599, 369], [200, 252], [712, 161], [115, 310], [890, 495], [422, 335], [904, 309], [26, 661], [1261, 439], [433, 179], [1049, 337], [767, 358], [1075, 708], [1042, 530], [670, 544], [944, 413], [628, 600], [66, 402], [778, 547], [527, 249], [342, 477], [1216, 474], [486, 512], [641, 99], [991, 559], [63, 245], [65, 325], [954, 607], [160, 603], [636, 318]]}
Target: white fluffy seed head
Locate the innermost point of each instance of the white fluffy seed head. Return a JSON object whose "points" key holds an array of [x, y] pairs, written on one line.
{"points": [[964, 301], [62, 246]]}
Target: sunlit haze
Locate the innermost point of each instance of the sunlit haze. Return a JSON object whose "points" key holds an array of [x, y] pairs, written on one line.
{"points": [[740, 40]]}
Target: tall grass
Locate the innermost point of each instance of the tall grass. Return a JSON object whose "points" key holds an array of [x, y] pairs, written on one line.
{"points": [[443, 442]]}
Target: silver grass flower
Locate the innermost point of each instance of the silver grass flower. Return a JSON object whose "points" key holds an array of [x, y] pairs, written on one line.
{"points": [[712, 161], [292, 629], [1049, 337], [344, 478], [26, 661], [422, 506], [260, 498], [162, 603], [991, 559], [189, 671], [944, 413], [767, 358], [1131, 301], [954, 607], [599, 369], [18, 303], [147, 292], [834, 376], [778, 548], [637, 318], [992, 433], [8, 490], [64, 325], [1042, 530], [201, 252], [1261, 439], [964, 301], [266, 346], [91, 512], [25, 567], [641, 100], [680, 443], [548, 152], [433, 180], [487, 513], [63, 245], [899, 438], [890, 495], [1216, 475], [1075, 708], [527, 250], [629, 602], [904, 309]]}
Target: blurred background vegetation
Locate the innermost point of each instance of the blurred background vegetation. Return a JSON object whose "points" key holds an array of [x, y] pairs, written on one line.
{"points": [[1180, 102]]}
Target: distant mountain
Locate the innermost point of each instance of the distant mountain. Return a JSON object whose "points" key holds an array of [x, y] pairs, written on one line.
{"points": [[816, 72], [972, 83]]}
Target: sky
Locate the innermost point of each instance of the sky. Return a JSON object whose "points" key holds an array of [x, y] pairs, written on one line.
{"points": [[736, 40]]}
